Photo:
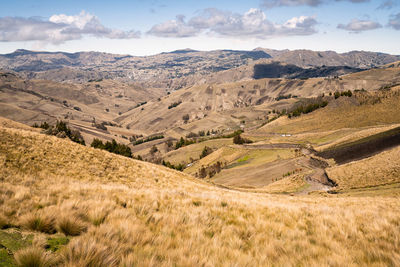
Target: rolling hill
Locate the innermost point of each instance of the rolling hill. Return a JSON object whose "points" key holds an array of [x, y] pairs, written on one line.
{"points": [[66, 204]]}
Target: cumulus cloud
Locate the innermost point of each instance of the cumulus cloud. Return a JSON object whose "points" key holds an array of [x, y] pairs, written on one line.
{"points": [[394, 22], [313, 3], [174, 28], [253, 24], [58, 29], [357, 26]]}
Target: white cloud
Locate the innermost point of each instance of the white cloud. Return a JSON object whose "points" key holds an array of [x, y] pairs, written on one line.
{"points": [[252, 24], [58, 29], [357, 25], [313, 3], [394, 22], [174, 28]]}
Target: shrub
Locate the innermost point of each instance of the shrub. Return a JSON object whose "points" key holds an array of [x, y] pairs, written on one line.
{"points": [[179, 167], [34, 257], [112, 147], [61, 129], [39, 222], [148, 139], [185, 118], [239, 140], [206, 151], [153, 150], [70, 225]]}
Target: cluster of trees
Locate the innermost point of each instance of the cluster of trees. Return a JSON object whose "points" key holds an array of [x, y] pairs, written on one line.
{"points": [[307, 108], [206, 151], [240, 140], [184, 142], [113, 147], [343, 93], [210, 170], [285, 97], [147, 139], [175, 104], [141, 104], [178, 167], [61, 130]]}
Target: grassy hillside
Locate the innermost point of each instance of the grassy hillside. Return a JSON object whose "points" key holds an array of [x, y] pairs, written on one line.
{"points": [[381, 169], [79, 206]]}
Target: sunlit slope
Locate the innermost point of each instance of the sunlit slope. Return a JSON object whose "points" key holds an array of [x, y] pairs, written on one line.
{"points": [[344, 112], [207, 103], [125, 212], [378, 170]]}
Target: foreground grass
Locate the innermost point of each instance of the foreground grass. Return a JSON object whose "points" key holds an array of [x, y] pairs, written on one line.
{"points": [[132, 213]]}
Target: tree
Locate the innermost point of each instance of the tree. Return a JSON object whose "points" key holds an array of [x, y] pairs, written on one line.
{"points": [[153, 149], [206, 151], [238, 140], [185, 118]]}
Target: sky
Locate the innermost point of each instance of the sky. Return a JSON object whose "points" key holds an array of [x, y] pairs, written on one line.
{"points": [[147, 27]]}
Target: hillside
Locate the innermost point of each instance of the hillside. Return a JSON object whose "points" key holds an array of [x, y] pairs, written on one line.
{"points": [[96, 208], [181, 68], [219, 105]]}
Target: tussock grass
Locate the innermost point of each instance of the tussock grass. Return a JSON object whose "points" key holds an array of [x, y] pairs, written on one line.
{"points": [[39, 222], [88, 252], [3, 221], [69, 224], [34, 257], [149, 223]]}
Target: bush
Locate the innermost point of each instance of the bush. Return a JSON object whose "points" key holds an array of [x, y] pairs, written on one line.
{"points": [[185, 118], [206, 151], [112, 147], [239, 140], [61, 129], [179, 167], [175, 104], [148, 139], [153, 150]]}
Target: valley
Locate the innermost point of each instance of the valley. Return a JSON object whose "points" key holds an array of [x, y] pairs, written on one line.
{"points": [[146, 170]]}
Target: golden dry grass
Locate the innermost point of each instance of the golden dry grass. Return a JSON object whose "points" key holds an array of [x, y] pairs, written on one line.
{"points": [[338, 115], [154, 216], [381, 169]]}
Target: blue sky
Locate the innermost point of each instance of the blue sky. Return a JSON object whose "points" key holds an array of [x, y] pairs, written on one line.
{"points": [[149, 27]]}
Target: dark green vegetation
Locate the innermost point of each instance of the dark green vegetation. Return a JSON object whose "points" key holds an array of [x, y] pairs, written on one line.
{"points": [[240, 140], [147, 139], [210, 170], [175, 104], [112, 147], [179, 167], [61, 130], [307, 108]]}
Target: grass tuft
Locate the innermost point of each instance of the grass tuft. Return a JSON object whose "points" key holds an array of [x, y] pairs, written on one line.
{"points": [[34, 257], [71, 225], [88, 252], [39, 222]]}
